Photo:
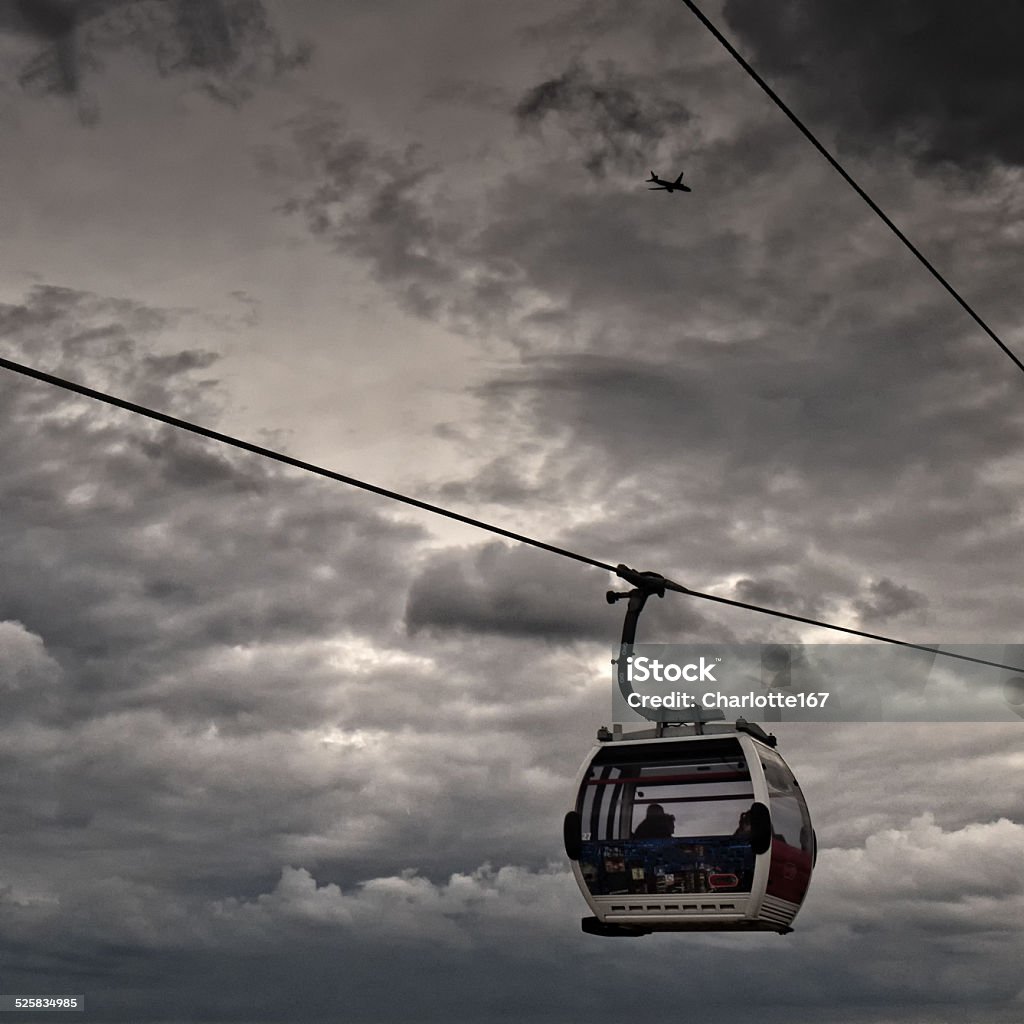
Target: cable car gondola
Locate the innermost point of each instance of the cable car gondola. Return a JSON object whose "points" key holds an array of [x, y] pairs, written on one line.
{"points": [[690, 827]]}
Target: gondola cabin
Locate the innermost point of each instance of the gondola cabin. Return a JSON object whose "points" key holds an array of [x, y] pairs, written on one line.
{"points": [[690, 833]]}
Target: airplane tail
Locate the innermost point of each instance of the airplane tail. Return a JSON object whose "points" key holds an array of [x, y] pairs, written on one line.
{"points": [[653, 177]]}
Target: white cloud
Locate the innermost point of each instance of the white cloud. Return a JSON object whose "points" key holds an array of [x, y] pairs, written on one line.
{"points": [[25, 664], [920, 874]]}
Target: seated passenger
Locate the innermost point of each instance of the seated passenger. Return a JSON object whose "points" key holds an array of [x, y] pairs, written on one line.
{"points": [[657, 824]]}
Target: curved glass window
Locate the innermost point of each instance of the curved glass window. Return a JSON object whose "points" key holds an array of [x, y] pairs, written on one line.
{"points": [[660, 820], [792, 838], [791, 822]]}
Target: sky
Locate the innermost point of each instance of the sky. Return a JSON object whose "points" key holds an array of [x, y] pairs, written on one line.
{"points": [[273, 749]]}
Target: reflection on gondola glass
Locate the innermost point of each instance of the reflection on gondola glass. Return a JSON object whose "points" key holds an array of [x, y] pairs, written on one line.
{"points": [[661, 821], [791, 823], [792, 838]]}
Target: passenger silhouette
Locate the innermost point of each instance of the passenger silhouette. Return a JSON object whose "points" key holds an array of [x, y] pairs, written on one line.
{"points": [[657, 824]]}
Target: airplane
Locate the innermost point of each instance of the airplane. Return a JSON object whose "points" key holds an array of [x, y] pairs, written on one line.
{"points": [[668, 186]]}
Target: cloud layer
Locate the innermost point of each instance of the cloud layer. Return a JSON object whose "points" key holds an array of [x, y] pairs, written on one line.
{"points": [[308, 750], [918, 74]]}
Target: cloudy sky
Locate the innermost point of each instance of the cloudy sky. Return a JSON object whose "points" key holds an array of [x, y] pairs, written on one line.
{"points": [[276, 750]]}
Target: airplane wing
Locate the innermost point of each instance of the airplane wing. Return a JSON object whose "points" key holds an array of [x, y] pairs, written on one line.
{"points": [[679, 180]]}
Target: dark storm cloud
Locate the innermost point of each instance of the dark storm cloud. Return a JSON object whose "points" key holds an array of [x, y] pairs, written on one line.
{"points": [[804, 404], [497, 589], [526, 593], [396, 213], [918, 74], [511, 921], [376, 205], [118, 541], [55, 22], [502, 481], [233, 41], [616, 119], [795, 410], [851, 446], [202, 659], [759, 411], [240, 783], [479, 264], [821, 593], [774, 594], [231, 45], [522, 592], [888, 599]]}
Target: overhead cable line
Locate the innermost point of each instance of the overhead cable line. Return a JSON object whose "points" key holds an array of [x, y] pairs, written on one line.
{"points": [[925, 262], [268, 453], [624, 572]]}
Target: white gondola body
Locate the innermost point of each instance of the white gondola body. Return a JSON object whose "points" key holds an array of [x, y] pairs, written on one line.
{"points": [[701, 873]]}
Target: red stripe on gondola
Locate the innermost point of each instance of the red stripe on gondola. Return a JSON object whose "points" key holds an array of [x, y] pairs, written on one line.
{"points": [[689, 779], [694, 799]]}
